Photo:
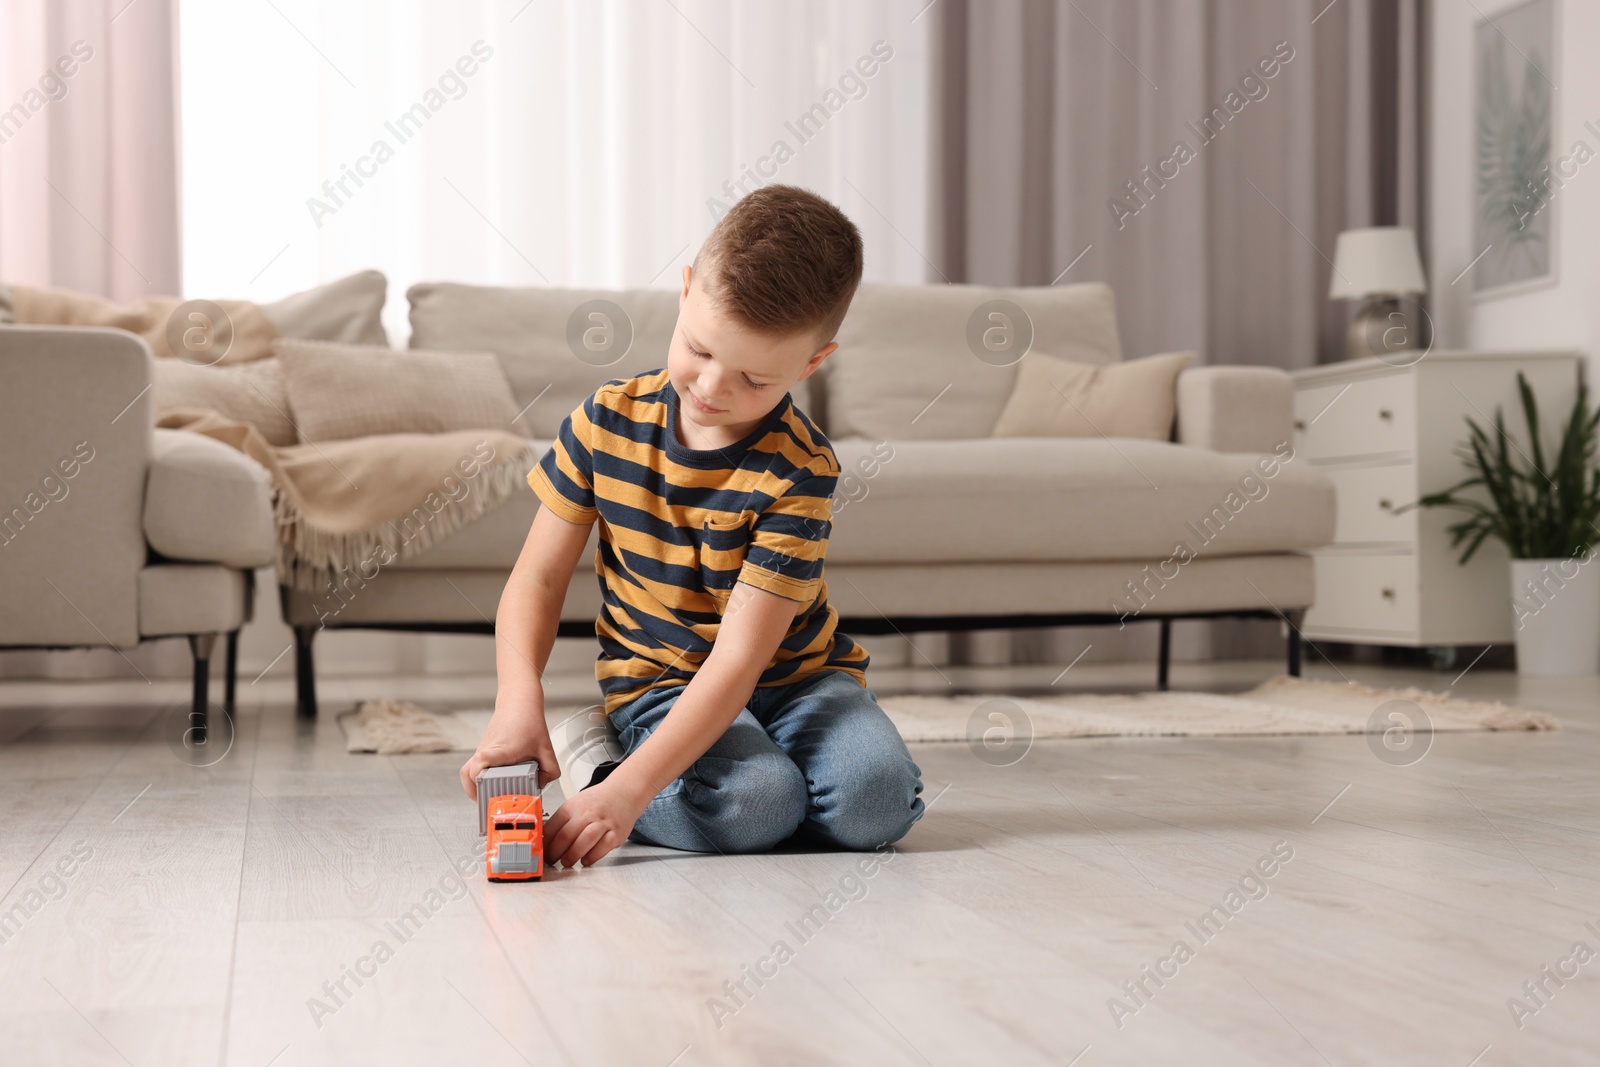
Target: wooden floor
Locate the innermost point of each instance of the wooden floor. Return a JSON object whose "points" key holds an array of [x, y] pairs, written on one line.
{"points": [[211, 915]]}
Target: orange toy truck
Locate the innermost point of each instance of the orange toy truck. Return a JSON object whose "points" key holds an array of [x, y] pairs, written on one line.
{"points": [[511, 816]]}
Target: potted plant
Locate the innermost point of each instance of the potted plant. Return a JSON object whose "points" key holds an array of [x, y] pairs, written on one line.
{"points": [[1548, 516]]}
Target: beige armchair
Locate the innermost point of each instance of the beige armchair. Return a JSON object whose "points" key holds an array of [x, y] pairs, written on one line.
{"points": [[112, 532]]}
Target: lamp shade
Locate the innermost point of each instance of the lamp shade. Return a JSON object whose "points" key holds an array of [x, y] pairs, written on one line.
{"points": [[1374, 261]]}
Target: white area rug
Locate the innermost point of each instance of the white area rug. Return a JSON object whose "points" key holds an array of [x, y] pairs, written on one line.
{"points": [[1281, 705], [395, 727]]}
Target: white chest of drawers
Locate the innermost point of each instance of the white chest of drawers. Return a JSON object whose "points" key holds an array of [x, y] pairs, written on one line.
{"points": [[1387, 435]]}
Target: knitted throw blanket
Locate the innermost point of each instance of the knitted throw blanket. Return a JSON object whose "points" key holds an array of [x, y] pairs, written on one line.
{"points": [[355, 506], [250, 331]]}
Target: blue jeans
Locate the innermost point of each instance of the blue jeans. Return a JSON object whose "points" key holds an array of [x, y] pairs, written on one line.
{"points": [[817, 760]]}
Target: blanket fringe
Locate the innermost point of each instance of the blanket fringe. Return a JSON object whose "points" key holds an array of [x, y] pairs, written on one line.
{"points": [[315, 561]]}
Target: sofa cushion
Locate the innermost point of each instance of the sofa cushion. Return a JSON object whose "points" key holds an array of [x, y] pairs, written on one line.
{"points": [[207, 502], [191, 598], [338, 392], [539, 335], [349, 309], [907, 366], [1015, 499], [1069, 499], [1060, 398], [251, 392]]}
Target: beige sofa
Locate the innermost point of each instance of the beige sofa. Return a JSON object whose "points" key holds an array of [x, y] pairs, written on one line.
{"points": [[937, 525], [113, 533]]}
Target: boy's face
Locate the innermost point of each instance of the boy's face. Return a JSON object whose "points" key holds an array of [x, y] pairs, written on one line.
{"points": [[717, 363]]}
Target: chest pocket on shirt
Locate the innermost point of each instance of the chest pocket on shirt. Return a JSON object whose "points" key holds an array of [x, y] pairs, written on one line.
{"points": [[724, 540]]}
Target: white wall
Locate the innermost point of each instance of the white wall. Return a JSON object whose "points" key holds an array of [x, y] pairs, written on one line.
{"points": [[1566, 314]]}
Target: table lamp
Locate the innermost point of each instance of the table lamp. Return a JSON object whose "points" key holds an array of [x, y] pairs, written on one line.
{"points": [[1378, 265]]}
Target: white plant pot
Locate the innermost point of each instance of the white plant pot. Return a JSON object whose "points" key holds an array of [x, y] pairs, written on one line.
{"points": [[1555, 605]]}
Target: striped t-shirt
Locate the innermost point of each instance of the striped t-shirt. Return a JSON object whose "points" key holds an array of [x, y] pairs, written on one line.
{"points": [[679, 526]]}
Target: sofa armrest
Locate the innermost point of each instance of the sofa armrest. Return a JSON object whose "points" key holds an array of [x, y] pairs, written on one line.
{"points": [[205, 502], [75, 418], [1235, 409]]}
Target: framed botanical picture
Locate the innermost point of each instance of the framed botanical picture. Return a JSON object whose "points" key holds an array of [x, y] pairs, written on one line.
{"points": [[1516, 191]]}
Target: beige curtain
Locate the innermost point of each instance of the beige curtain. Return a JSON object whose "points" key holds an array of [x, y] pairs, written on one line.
{"points": [[1049, 114], [1046, 109], [89, 164]]}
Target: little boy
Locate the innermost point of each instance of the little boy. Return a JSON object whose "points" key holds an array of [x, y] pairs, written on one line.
{"points": [[743, 715]]}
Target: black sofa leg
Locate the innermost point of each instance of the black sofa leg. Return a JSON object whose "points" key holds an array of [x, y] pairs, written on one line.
{"points": [[1164, 656], [230, 665], [200, 645], [305, 674], [1293, 620]]}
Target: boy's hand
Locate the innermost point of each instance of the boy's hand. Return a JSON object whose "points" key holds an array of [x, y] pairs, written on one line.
{"points": [[517, 732], [590, 824]]}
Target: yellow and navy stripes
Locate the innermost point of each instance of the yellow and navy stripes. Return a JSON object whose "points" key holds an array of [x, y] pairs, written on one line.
{"points": [[679, 526]]}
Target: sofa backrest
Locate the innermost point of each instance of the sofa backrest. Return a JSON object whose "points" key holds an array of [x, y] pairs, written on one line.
{"points": [[903, 348], [539, 335], [899, 348]]}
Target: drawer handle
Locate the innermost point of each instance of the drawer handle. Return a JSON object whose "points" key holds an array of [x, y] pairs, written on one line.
{"points": [[1300, 424], [1388, 594], [1385, 504], [1385, 414]]}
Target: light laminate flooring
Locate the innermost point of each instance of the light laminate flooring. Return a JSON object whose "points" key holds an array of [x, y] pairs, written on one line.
{"points": [[251, 912]]}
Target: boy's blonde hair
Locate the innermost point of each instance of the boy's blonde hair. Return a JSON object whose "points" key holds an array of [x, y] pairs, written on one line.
{"points": [[782, 261]]}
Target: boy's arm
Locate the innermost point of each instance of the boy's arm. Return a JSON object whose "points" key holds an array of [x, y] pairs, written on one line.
{"points": [[597, 820], [525, 630]]}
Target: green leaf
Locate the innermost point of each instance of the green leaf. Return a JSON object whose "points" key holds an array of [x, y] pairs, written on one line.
{"points": [[1538, 506]]}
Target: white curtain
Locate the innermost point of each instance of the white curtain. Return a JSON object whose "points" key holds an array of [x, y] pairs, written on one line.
{"points": [[556, 142]]}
